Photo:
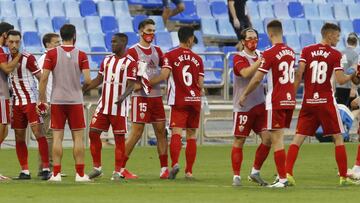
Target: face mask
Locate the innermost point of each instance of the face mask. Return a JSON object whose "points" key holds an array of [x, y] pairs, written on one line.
{"points": [[148, 37], [251, 44]]}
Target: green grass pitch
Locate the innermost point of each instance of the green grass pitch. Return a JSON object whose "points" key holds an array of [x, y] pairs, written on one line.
{"points": [[315, 173]]}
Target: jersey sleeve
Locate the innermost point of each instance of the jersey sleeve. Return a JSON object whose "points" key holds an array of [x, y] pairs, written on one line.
{"points": [[83, 61], [266, 62], [161, 56], [303, 55], [50, 60], [338, 61], [32, 65], [167, 63], [201, 69], [239, 64], [102, 68], [3, 56], [132, 53], [132, 70]]}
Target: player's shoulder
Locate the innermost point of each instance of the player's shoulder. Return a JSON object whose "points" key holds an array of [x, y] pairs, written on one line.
{"points": [[157, 48], [27, 55], [52, 51]]}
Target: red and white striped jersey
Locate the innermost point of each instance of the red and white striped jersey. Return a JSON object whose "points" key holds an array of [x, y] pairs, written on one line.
{"points": [[4, 86], [116, 71], [23, 81]]}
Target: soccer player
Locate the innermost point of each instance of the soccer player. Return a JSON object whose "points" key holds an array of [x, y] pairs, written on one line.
{"points": [[24, 106], [147, 108], [5, 69], [114, 71], [251, 115], [185, 88], [319, 107], [278, 63], [66, 64], [167, 12], [50, 41]]}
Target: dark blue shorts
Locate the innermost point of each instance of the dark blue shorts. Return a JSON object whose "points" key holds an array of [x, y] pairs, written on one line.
{"points": [[166, 3]]}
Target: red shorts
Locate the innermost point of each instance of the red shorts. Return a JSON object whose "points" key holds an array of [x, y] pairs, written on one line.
{"points": [[24, 114], [102, 122], [4, 111], [73, 113], [278, 118], [254, 119], [185, 116], [147, 110], [312, 116]]}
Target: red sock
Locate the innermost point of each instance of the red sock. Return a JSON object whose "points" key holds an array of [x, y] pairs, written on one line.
{"points": [[126, 158], [291, 158], [261, 154], [236, 159], [280, 158], [119, 151], [79, 169], [44, 151], [358, 156], [341, 160], [175, 148], [163, 160], [22, 154], [95, 148], [56, 169], [190, 154]]}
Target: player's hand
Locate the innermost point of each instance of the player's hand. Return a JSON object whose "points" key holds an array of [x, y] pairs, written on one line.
{"points": [[120, 100], [237, 23], [42, 109], [354, 104], [84, 88], [242, 100]]}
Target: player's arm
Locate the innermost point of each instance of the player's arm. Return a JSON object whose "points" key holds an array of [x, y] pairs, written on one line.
{"points": [[42, 85], [10, 66], [231, 5], [201, 85], [131, 85], [250, 71], [254, 82], [299, 75], [342, 78], [164, 75], [93, 83]]}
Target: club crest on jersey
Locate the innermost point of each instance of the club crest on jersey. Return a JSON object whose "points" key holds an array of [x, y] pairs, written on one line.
{"points": [[93, 120], [166, 61], [288, 96], [122, 67], [241, 128], [142, 115], [192, 93], [316, 95]]}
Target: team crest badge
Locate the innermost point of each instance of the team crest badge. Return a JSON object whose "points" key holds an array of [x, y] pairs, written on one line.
{"points": [[122, 67], [93, 120], [288, 95], [316, 95], [241, 128], [142, 115]]}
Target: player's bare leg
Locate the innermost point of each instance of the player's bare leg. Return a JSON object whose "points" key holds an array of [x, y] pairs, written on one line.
{"points": [[79, 155], [277, 140], [160, 133], [236, 159], [175, 149], [261, 154], [43, 149], [291, 156], [22, 153]]}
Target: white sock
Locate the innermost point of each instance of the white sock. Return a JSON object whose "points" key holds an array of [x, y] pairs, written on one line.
{"points": [[356, 168], [282, 180], [27, 172], [235, 176], [98, 168], [46, 169], [254, 171]]}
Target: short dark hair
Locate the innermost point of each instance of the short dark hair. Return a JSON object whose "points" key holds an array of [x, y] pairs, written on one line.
{"points": [[48, 37], [329, 27], [185, 33], [275, 26], [67, 32], [5, 27], [352, 39], [245, 31], [121, 35], [145, 22], [14, 33]]}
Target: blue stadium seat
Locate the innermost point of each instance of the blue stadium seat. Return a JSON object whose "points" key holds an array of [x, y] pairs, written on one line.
{"points": [[23, 8], [219, 9], [296, 10], [258, 25], [341, 44], [356, 24], [225, 28], [265, 10], [348, 1], [96, 40], [212, 78], [302, 26], [174, 39], [318, 38], [8, 9], [315, 26], [133, 38], [97, 58], [334, 1], [189, 15], [203, 9], [213, 57], [58, 22], [252, 8], [31, 39], [109, 24], [199, 36], [354, 11], [93, 24], [72, 9], [105, 8], [27, 25], [39, 9], [293, 42], [159, 23], [288, 27], [79, 24], [311, 11], [88, 8], [146, 4], [305, 1], [218, 65], [136, 21], [346, 26], [264, 42], [325, 11], [121, 8], [163, 39], [56, 9], [340, 12], [281, 10], [82, 42], [306, 39], [320, 1], [125, 24], [208, 27], [108, 37], [44, 25], [227, 49]]}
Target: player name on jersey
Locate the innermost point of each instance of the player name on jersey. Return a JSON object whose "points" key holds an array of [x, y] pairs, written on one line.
{"points": [[186, 57], [285, 52]]}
